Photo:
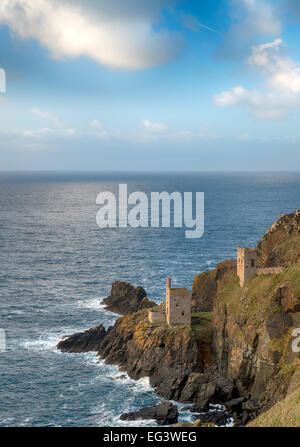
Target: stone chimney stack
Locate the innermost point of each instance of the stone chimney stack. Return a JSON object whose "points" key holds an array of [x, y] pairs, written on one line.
{"points": [[169, 283]]}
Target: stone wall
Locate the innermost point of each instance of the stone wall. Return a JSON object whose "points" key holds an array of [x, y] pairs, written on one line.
{"points": [[269, 271], [157, 316]]}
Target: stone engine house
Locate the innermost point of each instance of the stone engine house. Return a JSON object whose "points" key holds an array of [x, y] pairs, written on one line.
{"points": [[247, 266], [177, 308]]}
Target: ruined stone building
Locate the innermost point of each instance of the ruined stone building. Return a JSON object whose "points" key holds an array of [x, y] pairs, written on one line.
{"points": [[176, 309], [247, 266]]}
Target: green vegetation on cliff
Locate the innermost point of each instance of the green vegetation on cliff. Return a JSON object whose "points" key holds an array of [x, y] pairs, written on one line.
{"points": [[285, 413], [253, 325]]}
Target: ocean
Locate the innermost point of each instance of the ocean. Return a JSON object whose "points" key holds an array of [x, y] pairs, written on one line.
{"points": [[56, 265]]}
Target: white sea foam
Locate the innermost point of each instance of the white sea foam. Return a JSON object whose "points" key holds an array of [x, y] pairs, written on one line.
{"points": [[91, 303], [105, 416], [43, 343], [47, 341]]}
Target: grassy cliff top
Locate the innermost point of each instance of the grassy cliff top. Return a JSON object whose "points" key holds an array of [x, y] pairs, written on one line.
{"points": [[258, 299], [155, 334], [285, 413]]}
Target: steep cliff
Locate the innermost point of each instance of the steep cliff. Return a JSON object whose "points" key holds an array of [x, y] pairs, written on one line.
{"points": [[205, 285], [165, 354], [252, 334], [252, 326], [239, 354], [280, 246], [178, 360]]}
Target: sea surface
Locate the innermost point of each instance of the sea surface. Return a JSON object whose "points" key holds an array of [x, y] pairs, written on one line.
{"points": [[56, 265]]}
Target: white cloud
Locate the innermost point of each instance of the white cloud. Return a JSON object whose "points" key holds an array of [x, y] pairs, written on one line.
{"points": [[154, 127], [104, 31], [261, 16], [243, 137], [69, 132], [44, 132], [282, 84], [99, 130], [47, 115], [251, 20], [96, 125], [282, 71]]}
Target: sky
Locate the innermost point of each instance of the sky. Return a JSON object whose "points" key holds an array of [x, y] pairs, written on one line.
{"points": [[158, 85]]}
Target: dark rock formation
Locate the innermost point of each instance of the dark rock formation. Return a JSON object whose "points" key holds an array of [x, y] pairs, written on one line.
{"points": [[201, 407], [165, 354], [234, 404], [89, 340], [164, 414], [205, 286], [124, 299], [217, 417]]}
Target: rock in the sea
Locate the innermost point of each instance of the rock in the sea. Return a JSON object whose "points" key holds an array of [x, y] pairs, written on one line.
{"points": [[217, 417], [164, 414], [87, 341], [124, 299], [234, 404], [200, 407]]}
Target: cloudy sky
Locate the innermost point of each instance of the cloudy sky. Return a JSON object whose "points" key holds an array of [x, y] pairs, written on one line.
{"points": [[150, 85]]}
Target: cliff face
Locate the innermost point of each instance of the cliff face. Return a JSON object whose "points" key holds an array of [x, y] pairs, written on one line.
{"points": [[205, 286], [240, 353], [280, 246], [165, 354], [178, 360], [252, 326], [252, 333]]}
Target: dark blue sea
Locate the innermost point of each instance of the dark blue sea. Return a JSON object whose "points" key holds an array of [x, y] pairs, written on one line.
{"points": [[56, 265]]}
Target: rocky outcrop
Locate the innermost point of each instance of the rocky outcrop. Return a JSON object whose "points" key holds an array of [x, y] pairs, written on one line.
{"points": [[165, 354], [280, 246], [173, 357], [164, 414], [87, 341], [205, 286], [243, 357], [124, 299]]}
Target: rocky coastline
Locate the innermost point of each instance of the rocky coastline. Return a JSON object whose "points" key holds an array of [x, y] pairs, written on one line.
{"points": [[237, 352]]}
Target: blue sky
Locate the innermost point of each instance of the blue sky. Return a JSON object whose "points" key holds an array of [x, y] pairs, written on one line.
{"points": [[140, 85]]}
